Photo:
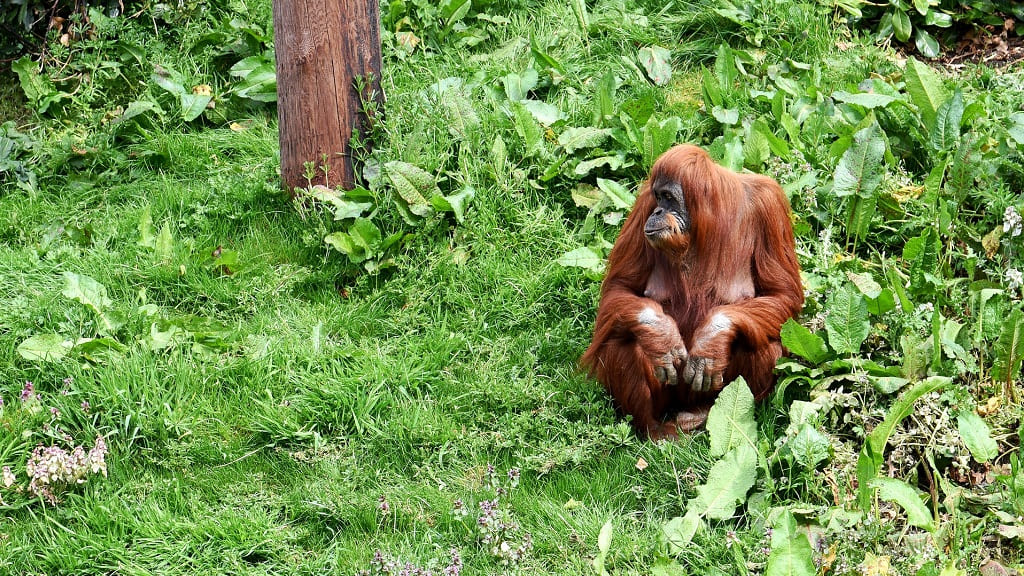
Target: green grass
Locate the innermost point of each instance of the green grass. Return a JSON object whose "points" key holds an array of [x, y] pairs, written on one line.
{"points": [[304, 390]]}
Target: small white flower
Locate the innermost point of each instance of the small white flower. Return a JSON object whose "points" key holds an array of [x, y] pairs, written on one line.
{"points": [[1014, 279], [1012, 222]]}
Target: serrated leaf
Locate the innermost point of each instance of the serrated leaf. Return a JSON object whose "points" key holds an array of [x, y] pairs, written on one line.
{"points": [[925, 89], [731, 419], [528, 130], [860, 169], [945, 134], [802, 342], [791, 553], [977, 436], [847, 323], [44, 347], [583, 257], [573, 139], [728, 483], [655, 61], [413, 184], [907, 498]]}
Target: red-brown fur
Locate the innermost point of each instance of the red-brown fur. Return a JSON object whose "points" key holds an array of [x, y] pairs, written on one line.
{"points": [[738, 259]]}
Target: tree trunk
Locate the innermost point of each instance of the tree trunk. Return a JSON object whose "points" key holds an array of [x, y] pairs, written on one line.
{"points": [[322, 47]]}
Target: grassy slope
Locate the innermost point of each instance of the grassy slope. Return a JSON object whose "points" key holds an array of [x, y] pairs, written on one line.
{"points": [[341, 387]]}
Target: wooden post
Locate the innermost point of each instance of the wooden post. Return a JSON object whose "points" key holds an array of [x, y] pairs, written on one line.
{"points": [[322, 46]]}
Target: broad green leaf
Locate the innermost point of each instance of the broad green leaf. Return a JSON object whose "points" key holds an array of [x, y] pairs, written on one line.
{"points": [[907, 498], [366, 235], [583, 257], [35, 86], [87, 291], [977, 436], [413, 184], [1009, 350], [659, 136], [579, 9], [136, 108], [616, 193], [518, 86], [614, 163], [926, 43], [756, 149], [901, 25], [456, 203], [192, 105], [725, 67], [802, 342], [866, 284], [861, 211], [604, 99], [655, 61], [810, 447], [604, 539], [528, 129], [146, 238], [922, 255], [1016, 127], [847, 323], [727, 116], [860, 169], [541, 56], [44, 347], [865, 99], [921, 6], [711, 91], [728, 483], [343, 243], [462, 116], [731, 419], [164, 248], [945, 135], [546, 114], [790, 549], [888, 384], [926, 90], [679, 531], [573, 139]]}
